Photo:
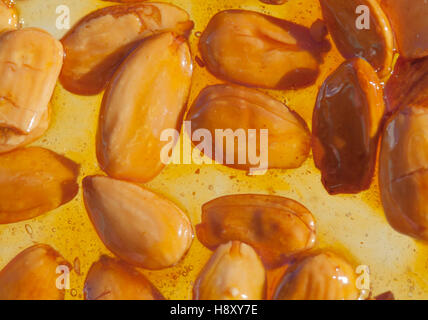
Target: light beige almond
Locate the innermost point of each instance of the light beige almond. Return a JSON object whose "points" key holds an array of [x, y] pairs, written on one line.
{"points": [[137, 225], [98, 43], [147, 95], [30, 62], [234, 272], [34, 275]]}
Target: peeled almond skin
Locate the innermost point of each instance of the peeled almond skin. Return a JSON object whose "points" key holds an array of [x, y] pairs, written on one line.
{"points": [[375, 44], [234, 272], [137, 225], [8, 15], [147, 95], [111, 279], [257, 50], [34, 181], [276, 227], [410, 24], [408, 84], [345, 125], [232, 107], [32, 275], [30, 62], [98, 44], [322, 276], [403, 171], [11, 139]]}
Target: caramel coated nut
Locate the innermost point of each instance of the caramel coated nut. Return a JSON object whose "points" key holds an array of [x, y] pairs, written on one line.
{"points": [[408, 85], [137, 225], [410, 24], [96, 45], [11, 139], [254, 49], [346, 123], [274, 1], [322, 276], [374, 44], [8, 15], [34, 181], [234, 272], [30, 62], [112, 279], [403, 171], [147, 95], [276, 227], [232, 107], [32, 275]]}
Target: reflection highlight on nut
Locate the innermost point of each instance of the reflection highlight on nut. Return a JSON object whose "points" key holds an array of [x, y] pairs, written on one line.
{"points": [[320, 276]]}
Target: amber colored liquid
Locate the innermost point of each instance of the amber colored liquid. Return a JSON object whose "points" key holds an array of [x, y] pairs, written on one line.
{"points": [[353, 224]]}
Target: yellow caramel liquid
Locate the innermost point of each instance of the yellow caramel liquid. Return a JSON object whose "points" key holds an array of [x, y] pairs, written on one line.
{"points": [[353, 224]]}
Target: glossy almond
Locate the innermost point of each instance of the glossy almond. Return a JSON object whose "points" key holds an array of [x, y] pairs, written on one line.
{"points": [[408, 84], [34, 181], [254, 49], [410, 24], [375, 44], [234, 272], [32, 275], [403, 171], [30, 62], [137, 225], [346, 123], [322, 276], [147, 95], [11, 139], [276, 227], [8, 15], [232, 107], [97, 45], [111, 279]]}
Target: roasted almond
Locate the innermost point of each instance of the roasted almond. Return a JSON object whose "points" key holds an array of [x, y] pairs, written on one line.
{"points": [[137, 225], [408, 84], [276, 227], [374, 44], [34, 181], [33, 275], [410, 24], [11, 139], [345, 127], [147, 95], [111, 279], [223, 107], [96, 45], [30, 62], [403, 171], [234, 272], [258, 50], [8, 15], [322, 276]]}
